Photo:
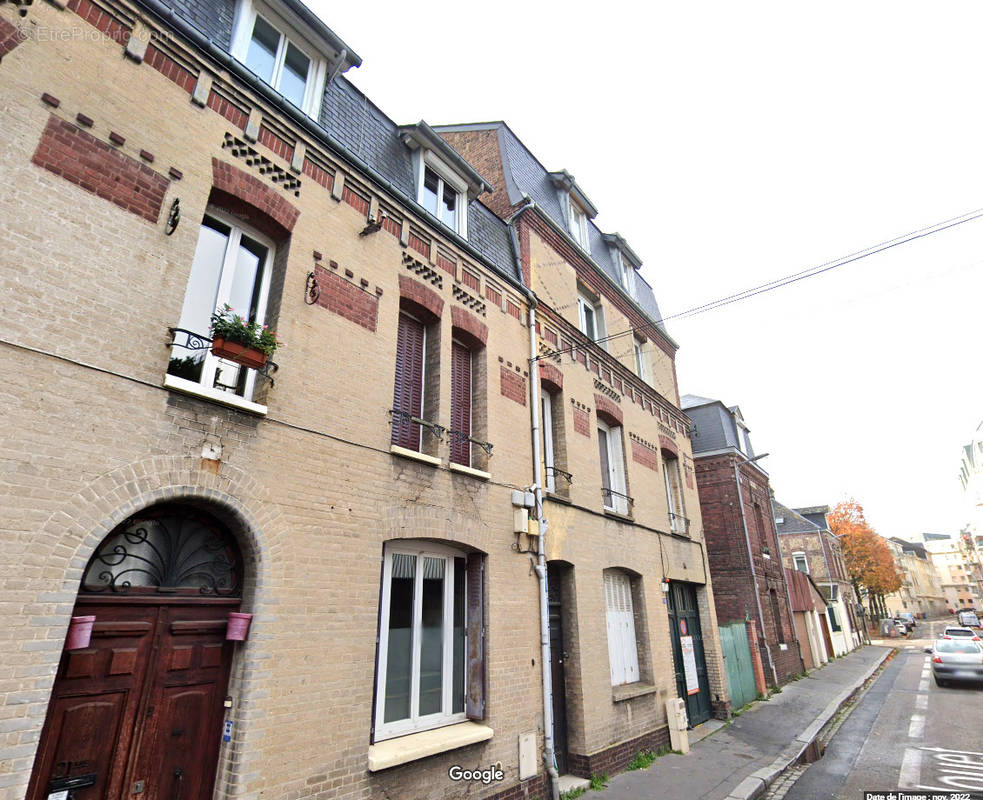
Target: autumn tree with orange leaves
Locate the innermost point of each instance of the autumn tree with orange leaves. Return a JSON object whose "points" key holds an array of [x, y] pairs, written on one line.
{"points": [[867, 556]]}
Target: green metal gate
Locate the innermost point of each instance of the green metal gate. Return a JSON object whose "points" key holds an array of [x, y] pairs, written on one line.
{"points": [[737, 658]]}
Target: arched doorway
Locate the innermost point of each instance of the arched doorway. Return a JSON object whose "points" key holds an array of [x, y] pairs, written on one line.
{"points": [[138, 713]]}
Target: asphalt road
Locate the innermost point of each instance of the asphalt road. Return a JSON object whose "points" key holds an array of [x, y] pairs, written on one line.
{"points": [[904, 733]]}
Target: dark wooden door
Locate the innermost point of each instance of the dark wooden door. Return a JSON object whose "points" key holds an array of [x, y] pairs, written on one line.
{"points": [[138, 714], [557, 657], [684, 621]]}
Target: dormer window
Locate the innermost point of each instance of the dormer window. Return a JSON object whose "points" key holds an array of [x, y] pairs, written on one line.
{"points": [[441, 198], [591, 318], [270, 43], [576, 206], [578, 225], [626, 262]]}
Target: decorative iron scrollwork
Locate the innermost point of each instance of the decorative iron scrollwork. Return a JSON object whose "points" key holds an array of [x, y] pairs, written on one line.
{"points": [[170, 549], [404, 416], [313, 291], [464, 436], [174, 217]]}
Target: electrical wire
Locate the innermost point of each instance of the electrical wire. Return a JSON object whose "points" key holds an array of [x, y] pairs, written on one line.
{"points": [[786, 280]]}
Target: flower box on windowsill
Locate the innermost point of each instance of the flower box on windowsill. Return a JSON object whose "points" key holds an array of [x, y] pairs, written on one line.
{"points": [[240, 353]]}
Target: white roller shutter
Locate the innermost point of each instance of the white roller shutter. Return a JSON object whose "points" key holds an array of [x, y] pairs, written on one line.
{"points": [[622, 649]]}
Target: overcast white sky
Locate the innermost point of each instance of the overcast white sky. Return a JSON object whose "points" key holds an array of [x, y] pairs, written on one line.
{"points": [[734, 143]]}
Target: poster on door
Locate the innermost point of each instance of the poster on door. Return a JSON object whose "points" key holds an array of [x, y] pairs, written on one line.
{"points": [[689, 665]]}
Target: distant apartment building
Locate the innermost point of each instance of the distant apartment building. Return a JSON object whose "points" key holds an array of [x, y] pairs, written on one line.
{"points": [[921, 590], [954, 562]]}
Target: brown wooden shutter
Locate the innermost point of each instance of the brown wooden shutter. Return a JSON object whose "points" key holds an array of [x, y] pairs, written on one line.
{"points": [[460, 403], [474, 703], [408, 387]]}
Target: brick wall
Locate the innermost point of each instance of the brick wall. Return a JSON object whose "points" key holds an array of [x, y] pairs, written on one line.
{"points": [[343, 297], [513, 385]]}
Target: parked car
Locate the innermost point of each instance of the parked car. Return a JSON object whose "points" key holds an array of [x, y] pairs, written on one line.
{"points": [[968, 619], [909, 619], [956, 659], [956, 632]]}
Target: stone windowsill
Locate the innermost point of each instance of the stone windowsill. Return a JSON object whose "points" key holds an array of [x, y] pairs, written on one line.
{"points": [[402, 750], [414, 455], [618, 515], [214, 395], [630, 690], [557, 498], [474, 473]]}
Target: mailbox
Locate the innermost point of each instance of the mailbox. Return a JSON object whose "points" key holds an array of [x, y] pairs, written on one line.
{"points": [[63, 788]]}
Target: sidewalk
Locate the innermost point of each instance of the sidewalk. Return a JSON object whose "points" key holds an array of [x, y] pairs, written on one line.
{"points": [[741, 759]]}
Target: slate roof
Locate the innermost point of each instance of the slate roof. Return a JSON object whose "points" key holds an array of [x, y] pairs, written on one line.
{"points": [[792, 522], [526, 175]]}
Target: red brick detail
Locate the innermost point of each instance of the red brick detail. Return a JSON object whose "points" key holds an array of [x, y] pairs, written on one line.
{"points": [[668, 444], [421, 295], [513, 386], [232, 113], [551, 337], [416, 243], [100, 20], [355, 200], [346, 299], [10, 37], [254, 192], [469, 323], [446, 264], [471, 280], [581, 421], [319, 174], [645, 456], [99, 168], [513, 310], [169, 68], [551, 375], [392, 225], [276, 143], [607, 407], [617, 757], [493, 295]]}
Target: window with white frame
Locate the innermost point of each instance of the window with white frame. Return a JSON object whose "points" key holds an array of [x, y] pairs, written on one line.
{"points": [[626, 272], [674, 492], [622, 642], [430, 661], [640, 366], [577, 220], [834, 622], [280, 56], [549, 452], [441, 192], [232, 266], [612, 454], [800, 562], [591, 318]]}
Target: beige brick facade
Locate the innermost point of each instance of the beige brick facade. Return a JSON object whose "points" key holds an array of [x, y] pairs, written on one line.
{"points": [[309, 486]]}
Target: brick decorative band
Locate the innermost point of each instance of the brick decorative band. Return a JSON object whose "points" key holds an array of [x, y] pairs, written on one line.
{"points": [[346, 299], [645, 456], [668, 444], [421, 295], [581, 422], [551, 376], [10, 37], [608, 408], [615, 759], [253, 192], [97, 167], [513, 386], [468, 323]]}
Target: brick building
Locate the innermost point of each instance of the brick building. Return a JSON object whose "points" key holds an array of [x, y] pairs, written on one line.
{"points": [[742, 545], [357, 495], [808, 545]]}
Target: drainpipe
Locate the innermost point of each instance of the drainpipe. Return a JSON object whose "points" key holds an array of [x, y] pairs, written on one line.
{"points": [[750, 555], [549, 753]]}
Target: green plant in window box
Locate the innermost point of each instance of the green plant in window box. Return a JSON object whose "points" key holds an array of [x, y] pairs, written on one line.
{"points": [[246, 343]]}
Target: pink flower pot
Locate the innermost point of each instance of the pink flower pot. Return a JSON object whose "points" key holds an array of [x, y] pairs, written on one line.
{"points": [[238, 628], [79, 633]]}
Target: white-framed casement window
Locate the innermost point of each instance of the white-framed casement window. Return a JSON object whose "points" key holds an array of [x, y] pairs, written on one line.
{"points": [[612, 454], [591, 318], [674, 492], [441, 192], [549, 451], [622, 643], [577, 223], [430, 667], [626, 272], [280, 56], [800, 562], [640, 367], [232, 266]]}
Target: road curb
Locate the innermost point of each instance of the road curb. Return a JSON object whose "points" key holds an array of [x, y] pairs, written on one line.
{"points": [[758, 781]]}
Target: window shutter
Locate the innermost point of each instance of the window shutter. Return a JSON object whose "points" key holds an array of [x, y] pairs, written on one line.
{"points": [[474, 704], [460, 403], [408, 386], [622, 647], [602, 446]]}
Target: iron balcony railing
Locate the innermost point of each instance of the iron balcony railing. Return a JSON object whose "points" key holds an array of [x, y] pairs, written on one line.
{"points": [[678, 523], [610, 498], [190, 367]]}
